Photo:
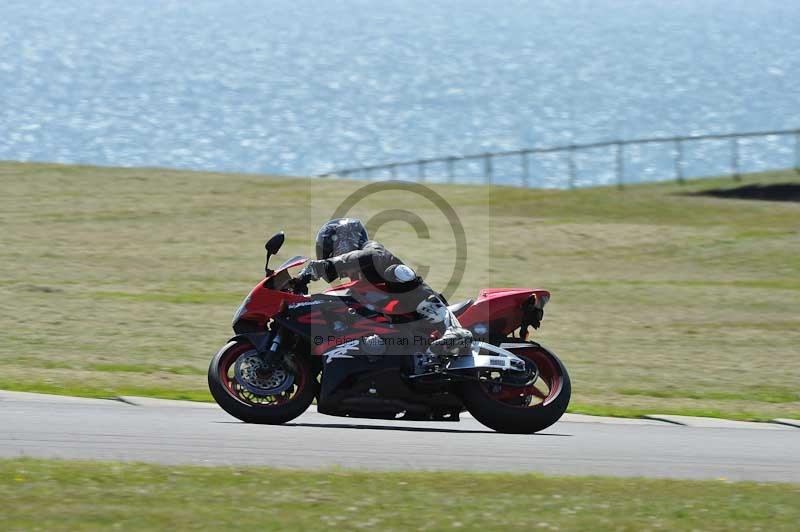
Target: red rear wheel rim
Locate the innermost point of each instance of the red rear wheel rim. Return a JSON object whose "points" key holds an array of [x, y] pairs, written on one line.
{"points": [[541, 393]]}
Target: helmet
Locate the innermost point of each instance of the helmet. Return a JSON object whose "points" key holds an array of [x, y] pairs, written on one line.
{"points": [[340, 236]]}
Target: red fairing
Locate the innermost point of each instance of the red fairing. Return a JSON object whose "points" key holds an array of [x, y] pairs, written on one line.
{"points": [[500, 307], [263, 303]]}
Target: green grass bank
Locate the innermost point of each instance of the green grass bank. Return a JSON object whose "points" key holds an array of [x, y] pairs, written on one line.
{"points": [[123, 281], [55, 495]]}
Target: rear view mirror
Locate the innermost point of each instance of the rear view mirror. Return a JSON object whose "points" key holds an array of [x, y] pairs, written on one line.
{"points": [[274, 244]]}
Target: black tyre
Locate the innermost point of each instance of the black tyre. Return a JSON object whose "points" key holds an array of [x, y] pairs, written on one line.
{"points": [[248, 390], [521, 409]]}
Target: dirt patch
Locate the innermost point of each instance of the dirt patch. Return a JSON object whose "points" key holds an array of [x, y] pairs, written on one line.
{"points": [[776, 192]]}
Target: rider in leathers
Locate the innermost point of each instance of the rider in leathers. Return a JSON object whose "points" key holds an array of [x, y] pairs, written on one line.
{"points": [[344, 250]]}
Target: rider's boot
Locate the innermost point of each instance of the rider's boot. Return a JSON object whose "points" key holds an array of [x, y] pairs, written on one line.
{"points": [[455, 340]]}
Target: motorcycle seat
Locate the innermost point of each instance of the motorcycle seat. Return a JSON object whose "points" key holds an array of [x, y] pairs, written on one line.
{"points": [[459, 308]]}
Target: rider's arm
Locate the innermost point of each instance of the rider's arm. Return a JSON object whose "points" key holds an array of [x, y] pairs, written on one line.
{"points": [[372, 256]]}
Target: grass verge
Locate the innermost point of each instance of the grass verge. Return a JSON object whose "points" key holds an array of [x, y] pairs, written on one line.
{"points": [[56, 495], [123, 281]]}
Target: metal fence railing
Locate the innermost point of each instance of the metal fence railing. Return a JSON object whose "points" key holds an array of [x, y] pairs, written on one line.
{"points": [[419, 169]]}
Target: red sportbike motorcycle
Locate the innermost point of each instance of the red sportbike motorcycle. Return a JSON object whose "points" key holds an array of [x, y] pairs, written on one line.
{"points": [[346, 348]]}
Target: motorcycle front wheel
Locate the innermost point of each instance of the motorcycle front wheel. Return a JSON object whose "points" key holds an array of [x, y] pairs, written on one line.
{"points": [[518, 408], [249, 389]]}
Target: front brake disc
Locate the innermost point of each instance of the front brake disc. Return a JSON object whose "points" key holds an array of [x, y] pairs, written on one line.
{"points": [[261, 378]]}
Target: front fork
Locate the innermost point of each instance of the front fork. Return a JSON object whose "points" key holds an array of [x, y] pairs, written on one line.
{"points": [[278, 348], [275, 344], [267, 343]]}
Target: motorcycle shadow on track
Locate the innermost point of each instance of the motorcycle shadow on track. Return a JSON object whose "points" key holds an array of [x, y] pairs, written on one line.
{"points": [[396, 428], [408, 429], [384, 427]]}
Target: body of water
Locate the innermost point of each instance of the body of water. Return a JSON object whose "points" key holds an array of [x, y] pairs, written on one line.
{"points": [[300, 87]]}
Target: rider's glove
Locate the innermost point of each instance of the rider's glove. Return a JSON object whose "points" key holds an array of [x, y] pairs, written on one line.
{"points": [[314, 270]]}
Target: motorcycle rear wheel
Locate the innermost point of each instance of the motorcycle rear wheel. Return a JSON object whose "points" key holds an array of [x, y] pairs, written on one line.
{"points": [[250, 407], [521, 409]]}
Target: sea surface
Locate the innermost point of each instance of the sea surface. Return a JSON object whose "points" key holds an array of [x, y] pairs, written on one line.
{"points": [[300, 87]]}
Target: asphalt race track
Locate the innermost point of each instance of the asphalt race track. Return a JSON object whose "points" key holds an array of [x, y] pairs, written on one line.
{"points": [[185, 433]]}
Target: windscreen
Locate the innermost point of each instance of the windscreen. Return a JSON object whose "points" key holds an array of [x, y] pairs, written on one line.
{"points": [[296, 258]]}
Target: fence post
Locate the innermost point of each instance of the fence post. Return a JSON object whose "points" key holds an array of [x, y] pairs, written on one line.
{"points": [[487, 167], [572, 168], [797, 151], [679, 161], [620, 164], [526, 173], [735, 158], [421, 171], [450, 174]]}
